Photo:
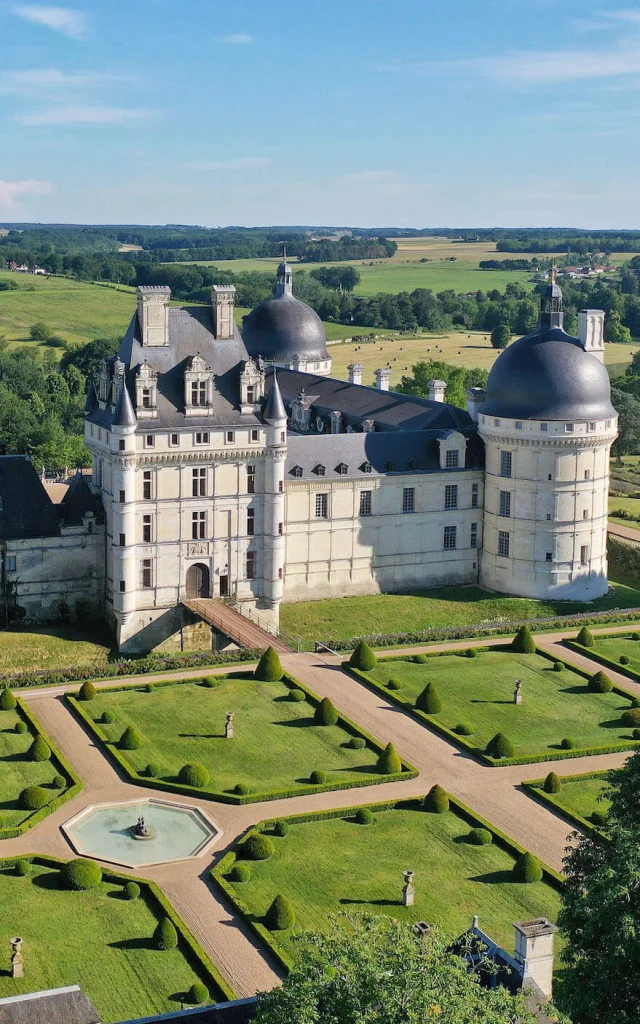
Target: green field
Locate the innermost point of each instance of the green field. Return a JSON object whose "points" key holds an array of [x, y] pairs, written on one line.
{"points": [[52, 647], [478, 692], [335, 865], [631, 505], [17, 771], [345, 617], [616, 647], [583, 796], [95, 939], [276, 744]]}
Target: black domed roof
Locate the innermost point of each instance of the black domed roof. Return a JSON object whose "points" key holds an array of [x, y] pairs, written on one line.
{"points": [[547, 375], [282, 328]]}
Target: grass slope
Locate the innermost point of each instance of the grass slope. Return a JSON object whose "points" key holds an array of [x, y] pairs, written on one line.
{"points": [[51, 647], [16, 772], [582, 796], [615, 647], [95, 939]]}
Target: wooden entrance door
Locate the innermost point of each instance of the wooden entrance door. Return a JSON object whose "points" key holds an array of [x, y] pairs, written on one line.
{"points": [[198, 581]]}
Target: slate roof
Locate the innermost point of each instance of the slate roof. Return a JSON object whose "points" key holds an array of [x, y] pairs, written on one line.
{"points": [[55, 1006], [284, 327], [80, 499], [27, 510], [237, 1011]]}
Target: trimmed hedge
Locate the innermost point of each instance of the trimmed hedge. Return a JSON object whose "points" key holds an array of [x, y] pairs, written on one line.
{"points": [[153, 770], [20, 728], [257, 847], [280, 916], [631, 717], [33, 798], [281, 828], [130, 739], [600, 683], [194, 774], [429, 700], [500, 747], [523, 642], [87, 692], [240, 873], [480, 837], [585, 638], [363, 657], [108, 718], [241, 788], [197, 994], [462, 729], [23, 868], [81, 874], [325, 713], [552, 783], [527, 869], [436, 801], [132, 890], [8, 700], [318, 778], [568, 743], [364, 816], [297, 696], [165, 936], [269, 669], [389, 762], [357, 743], [39, 750]]}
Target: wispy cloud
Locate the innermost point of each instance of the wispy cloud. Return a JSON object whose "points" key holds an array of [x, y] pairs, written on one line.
{"points": [[366, 177], [531, 68], [12, 191], [238, 164], [84, 115], [236, 39], [51, 79], [60, 19]]}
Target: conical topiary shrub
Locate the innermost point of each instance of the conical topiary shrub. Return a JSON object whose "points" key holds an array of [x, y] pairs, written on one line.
{"points": [[165, 935], [39, 750], [325, 713], [436, 800], [363, 657], [500, 746], [600, 683], [585, 638], [552, 783], [527, 868], [389, 762], [130, 739], [523, 642], [87, 691], [7, 700], [429, 700], [269, 668], [280, 915]]}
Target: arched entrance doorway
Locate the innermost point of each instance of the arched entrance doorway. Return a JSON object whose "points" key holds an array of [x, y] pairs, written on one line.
{"points": [[198, 580]]}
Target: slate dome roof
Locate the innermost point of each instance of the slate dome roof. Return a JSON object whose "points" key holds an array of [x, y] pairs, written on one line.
{"points": [[282, 328]]}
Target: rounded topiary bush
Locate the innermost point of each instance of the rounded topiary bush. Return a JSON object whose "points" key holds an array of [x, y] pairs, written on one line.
{"points": [[20, 727], [39, 750], [624, 660], [635, 703], [635, 735], [523, 642], [363, 657], [420, 659], [59, 782], [130, 739], [429, 700], [240, 873], [364, 816], [165, 935], [558, 666], [437, 800], [7, 700], [568, 743], [552, 783], [599, 817], [325, 713], [281, 829], [280, 915], [34, 797], [635, 636], [257, 847], [585, 638], [480, 837], [152, 771], [471, 652], [22, 868], [209, 682], [389, 762], [296, 696], [108, 718], [631, 717], [193, 774], [81, 874], [132, 890], [87, 691], [500, 746], [394, 684], [318, 778], [269, 668], [241, 789], [357, 743], [600, 683], [148, 688], [462, 729], [198, 993], [527, 868]]}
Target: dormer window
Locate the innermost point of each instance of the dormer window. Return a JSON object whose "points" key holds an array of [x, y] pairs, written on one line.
{"points": [[296, 471], [146, 392], [412, 464], [319, 470], [252, 381], [366, 467], [342, 469], [198, 387], [390, 467]]}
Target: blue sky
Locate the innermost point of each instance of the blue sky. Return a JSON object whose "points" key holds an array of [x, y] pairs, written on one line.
{"points": [[368, 112]]}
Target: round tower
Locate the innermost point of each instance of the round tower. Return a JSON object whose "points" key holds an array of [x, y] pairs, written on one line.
{"points": [[123, 509], [547, 424], [274, 499]]}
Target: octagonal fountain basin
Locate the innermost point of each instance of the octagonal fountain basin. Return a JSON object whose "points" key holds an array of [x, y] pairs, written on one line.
{"points": [[108, 832]]}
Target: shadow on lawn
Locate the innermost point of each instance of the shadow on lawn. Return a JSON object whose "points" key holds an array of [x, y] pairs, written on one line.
{"points": [[145, 942], [48, 880], [201, 735], [476, 700], [20, 756], [371, 903], [297, 723], [493, 877], [575, 689]]}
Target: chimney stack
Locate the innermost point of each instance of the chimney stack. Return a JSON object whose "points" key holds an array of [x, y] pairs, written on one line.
{"points": [[475, 398], [153, 314], [437, 390], [591, 331], [355, 373], [223, 297], [383, 379], [534, 952]]}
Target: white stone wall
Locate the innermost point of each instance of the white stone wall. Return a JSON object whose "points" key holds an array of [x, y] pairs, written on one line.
{"points": [[51, 570]]}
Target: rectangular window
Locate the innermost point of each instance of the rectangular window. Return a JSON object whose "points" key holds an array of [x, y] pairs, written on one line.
{"points": [[584, 554], [282, 436], [198, 392], [280, 486], [496, 423], [474, 535], [322, 506], [587, 474], [10, 563], [365, 503], [146, 398], [199, 482], [451, 496], [146, 485], [149, 440], [548, 516], [585, 513], [548, 557], [506, 462], [251, 565], [451, 459], [568, 428], [251, 479], [505, 503], [408, 499], [229, 437], [202, 437], [544, 427], [474, 495], [280, 573], [592, 427], [450, 537], [251, 521], [122, 586], [147, 573], [174, 440], [503, 543], [518, 424], [280, 529], [255, 435], [121, 444], [122, 497], [123, 540], [147, 535], [608, 425], [198, 525]]}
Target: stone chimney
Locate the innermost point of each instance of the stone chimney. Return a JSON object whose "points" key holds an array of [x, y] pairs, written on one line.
{"points": [[153, 314], [437, 390], [591, 331], [475, 398], [383, 379], [336, 421], [355, 373], [223, 297], [534, 953]]}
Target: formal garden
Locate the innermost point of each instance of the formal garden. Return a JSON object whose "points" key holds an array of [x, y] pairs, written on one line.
{"points": [[619, 651], [35, 778], [119, 940], [582, 799], [505, 705], [291, 875], [237, 738]]}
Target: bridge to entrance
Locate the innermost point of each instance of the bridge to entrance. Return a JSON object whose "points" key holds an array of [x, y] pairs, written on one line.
{"points": [[237, 627]]}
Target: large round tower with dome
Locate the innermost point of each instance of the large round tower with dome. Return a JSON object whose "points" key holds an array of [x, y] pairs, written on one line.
{"points": [[548, 424]]}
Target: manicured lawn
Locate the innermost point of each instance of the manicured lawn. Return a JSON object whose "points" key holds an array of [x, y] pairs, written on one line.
{"points": [[17, 772], [617, 647], [479, 692], [345, 617], [327, 867], [276, 745], [52, 647], [581, 796], [95, 939]]}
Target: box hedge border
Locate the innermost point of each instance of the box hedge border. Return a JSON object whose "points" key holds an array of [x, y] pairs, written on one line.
{"points": [[158, 903], [81, 709], [431, 722], [533, 787], [593, 654], [73, 782], [223, 867]]}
